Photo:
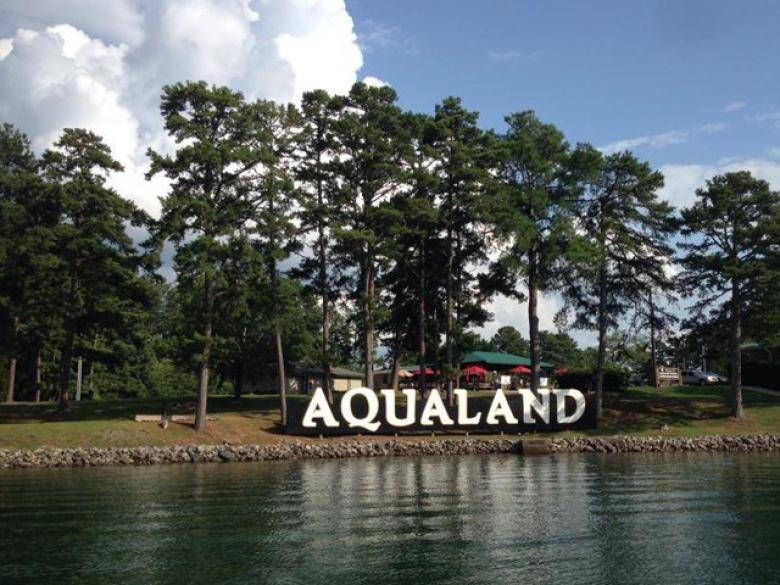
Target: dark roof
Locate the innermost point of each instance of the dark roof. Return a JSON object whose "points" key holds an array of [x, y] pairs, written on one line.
{"points": [[500, 359], [314, 371]]}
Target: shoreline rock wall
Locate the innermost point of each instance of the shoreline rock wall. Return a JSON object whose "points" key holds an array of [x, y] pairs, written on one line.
{"points": [[140, 456]]}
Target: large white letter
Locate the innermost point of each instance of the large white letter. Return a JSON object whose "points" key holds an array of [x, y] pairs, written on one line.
{"points": [[540, 405], [560, 403], [411, 407], [319, 408], [434, 407], [463, 408], [373, 408], [500, 407]]}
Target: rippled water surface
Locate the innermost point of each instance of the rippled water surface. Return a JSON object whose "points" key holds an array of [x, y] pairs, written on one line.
{"points": [[501, 519]]}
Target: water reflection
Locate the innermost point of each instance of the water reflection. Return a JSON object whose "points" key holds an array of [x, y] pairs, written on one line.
{"points": [[500, 519]]}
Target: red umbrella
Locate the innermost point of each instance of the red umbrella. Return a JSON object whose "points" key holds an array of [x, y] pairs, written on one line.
{"points": [[474, 371], [520, 370]]}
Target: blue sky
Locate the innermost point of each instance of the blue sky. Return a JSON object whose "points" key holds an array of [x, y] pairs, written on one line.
{"points": [[691, 86], [702, 77]]}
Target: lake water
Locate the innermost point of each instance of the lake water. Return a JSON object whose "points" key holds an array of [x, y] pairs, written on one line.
{"points": [[635, 519]]}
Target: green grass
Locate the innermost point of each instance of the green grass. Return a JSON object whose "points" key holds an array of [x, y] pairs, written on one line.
{"points": [[676, 411]]}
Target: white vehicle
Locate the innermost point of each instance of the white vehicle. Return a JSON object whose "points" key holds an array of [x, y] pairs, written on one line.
{"points": [[701, 378]]}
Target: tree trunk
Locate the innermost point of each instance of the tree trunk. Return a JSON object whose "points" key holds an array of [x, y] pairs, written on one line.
{"points": [[653, 357], [533, 322], [368, 334], [448, 320], [238, 380], [395, 373], [66, 357], [421, 320], [91, 378], [736, 351], [203, 383], [37, 376], [602, 349], [326, 386], [282, 375], [325, 297], [9, 395]]}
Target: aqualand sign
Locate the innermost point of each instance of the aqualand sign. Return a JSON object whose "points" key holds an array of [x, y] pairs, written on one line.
{"points": [[362, 410]]}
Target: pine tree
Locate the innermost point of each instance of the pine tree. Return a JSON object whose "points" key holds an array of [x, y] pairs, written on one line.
{"points": [[729, 250], [28, 265], [273, 197], [208, 202], [101, 268], [319, 210], [367, 171], [412, 226], [532, 215], [621, 249], [459, 149]]}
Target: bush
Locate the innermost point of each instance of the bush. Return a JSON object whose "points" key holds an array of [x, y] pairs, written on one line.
{"points": [[167, 380], [616, 379], [761, 374]]}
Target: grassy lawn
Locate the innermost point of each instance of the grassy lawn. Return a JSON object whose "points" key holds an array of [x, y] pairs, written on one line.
{"points": [[682, 411]]}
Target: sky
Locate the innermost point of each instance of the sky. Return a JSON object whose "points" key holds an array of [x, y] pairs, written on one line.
{"points": [[693, 87]]}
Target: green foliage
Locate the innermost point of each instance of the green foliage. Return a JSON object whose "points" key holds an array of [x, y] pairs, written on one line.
{"points": [[616, 379], [167, 380], [509, 340], [730, 250], [349, 223]]}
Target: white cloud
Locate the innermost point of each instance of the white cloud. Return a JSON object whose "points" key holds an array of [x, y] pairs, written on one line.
{"points": [[681, 181], [774, 153], [374, 36], [772, 117], [734, 106], [714, 128], [653, 141], [507, 311], [372, 81], [101, 65], [6, 46]]}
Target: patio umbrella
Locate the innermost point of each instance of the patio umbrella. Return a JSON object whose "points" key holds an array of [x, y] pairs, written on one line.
{"points": [[473, 371], [520, 370]]}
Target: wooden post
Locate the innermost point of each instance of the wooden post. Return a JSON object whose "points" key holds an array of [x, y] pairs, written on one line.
{"points": [[79, 369]]}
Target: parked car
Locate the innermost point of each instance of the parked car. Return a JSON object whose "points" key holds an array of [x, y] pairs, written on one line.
{"points": [[702, 378]]}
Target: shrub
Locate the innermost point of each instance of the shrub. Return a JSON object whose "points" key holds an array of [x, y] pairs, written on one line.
{"points": [[616, 379]]}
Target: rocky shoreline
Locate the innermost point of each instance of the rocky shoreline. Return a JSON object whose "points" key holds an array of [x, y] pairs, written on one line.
{"points": [[139, 456]]}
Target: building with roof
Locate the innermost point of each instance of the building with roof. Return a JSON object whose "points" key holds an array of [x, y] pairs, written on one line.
{"points": [[499, 361]]}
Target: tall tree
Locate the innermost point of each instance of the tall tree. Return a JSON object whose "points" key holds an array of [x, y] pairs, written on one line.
{"points": [[531, 215], [508, 339], [208, 201], [623, 228], [273, 198], [367, 169], [100, 265], [728, 250], [28, 218], [560, 349], [459, 148], [414, 249], [319, 210]]}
